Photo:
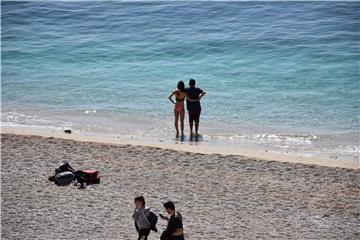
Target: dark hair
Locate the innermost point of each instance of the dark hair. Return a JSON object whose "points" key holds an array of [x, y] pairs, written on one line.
{"points": [[169, 204], [192, 82], [181, 86], [141, 199]]}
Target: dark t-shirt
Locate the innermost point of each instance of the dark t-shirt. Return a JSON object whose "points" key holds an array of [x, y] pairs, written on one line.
{"points": [[193, 93], [175, 222]]}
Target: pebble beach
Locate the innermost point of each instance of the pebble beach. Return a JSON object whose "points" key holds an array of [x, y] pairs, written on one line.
{"points": [[219, 196]]}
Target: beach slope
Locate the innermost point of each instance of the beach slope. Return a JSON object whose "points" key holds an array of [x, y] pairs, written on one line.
{"points": [[220, 197]]}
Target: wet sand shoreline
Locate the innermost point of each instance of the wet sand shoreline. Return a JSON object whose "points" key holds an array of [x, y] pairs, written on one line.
{"points": [[220, 197], [193, 146]]}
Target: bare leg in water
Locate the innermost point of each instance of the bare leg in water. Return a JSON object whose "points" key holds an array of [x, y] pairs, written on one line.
{"points": [[196, 128], [182, 116], [176, 123], [191, 128]]}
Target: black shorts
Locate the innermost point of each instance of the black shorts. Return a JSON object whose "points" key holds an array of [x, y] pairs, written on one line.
{"points": [[194, 115]]}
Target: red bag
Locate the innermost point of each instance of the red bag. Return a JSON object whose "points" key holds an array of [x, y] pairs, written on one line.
{"points": [[91, 176]]}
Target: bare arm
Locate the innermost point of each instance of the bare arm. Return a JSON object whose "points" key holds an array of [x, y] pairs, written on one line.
{"points": [[163, 217], [201, 95], [170, 97], [191, 100]]}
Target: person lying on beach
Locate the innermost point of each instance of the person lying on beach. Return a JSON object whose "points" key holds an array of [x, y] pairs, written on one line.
{"points": [[174, 229], [64, 167], [179, 111]]}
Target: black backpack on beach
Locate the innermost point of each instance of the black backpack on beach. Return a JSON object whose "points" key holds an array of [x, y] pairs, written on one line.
{"points": [[153, 218]]}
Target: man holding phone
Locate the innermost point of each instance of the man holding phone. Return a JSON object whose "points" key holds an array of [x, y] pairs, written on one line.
{"points": [[174, 229]]}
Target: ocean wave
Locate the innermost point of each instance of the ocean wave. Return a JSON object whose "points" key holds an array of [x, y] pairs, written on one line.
{"points": [[19, 119], [286, 66]]}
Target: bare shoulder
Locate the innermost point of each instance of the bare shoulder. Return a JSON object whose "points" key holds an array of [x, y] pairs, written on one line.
{"points": [[173, 92], [176, 92]]}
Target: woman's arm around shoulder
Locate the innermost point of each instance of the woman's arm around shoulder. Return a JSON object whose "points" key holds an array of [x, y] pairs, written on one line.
{"points": [[189, 99]]}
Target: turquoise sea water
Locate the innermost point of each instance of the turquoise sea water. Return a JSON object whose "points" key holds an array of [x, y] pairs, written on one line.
{"points": [[277, 74]]}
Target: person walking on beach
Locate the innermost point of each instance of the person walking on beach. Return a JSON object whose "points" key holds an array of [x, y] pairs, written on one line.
{"points": [[179, 111], [142, 223], [174, 229], [194, 107]]}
